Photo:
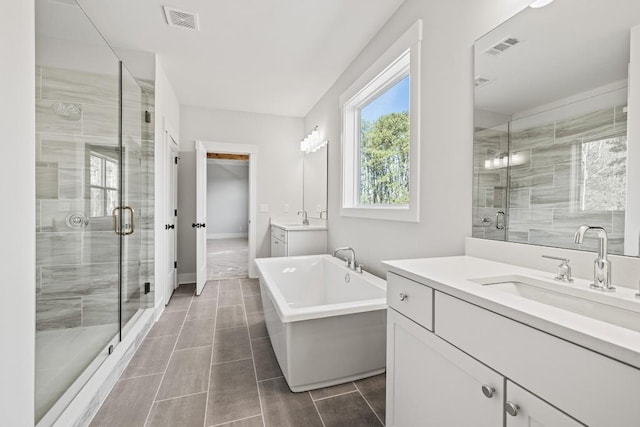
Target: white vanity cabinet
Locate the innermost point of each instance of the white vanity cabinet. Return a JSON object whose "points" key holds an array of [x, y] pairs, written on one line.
{"points": [[533, 411], [449, 365], [431, 383], [292, 241]]}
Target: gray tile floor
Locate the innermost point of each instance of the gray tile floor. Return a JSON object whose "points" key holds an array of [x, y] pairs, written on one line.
{"points": [[208, 362]]}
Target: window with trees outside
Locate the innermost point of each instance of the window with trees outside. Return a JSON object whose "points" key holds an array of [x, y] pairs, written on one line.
{"points": [[380, 137]]}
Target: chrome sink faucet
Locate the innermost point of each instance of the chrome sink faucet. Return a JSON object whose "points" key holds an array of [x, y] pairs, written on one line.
{"points": [[305, 220], [351, 262], [602, 265]]}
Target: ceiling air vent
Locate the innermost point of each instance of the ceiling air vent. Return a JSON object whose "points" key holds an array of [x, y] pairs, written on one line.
{"points": [[503, 46], [181, 18], [480, 81]]}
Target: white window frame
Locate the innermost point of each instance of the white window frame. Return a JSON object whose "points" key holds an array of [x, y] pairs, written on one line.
{"points": [[400, 60]]}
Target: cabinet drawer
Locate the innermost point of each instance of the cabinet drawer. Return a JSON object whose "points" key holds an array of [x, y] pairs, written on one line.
{"points": [[279, 233], [410, 298], [594, 389]]}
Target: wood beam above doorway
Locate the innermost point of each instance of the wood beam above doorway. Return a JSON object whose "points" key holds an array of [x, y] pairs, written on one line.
{"points": [[224, 156]]}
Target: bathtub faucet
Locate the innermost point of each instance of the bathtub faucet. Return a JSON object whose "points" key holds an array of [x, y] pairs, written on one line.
{"points": [[351, 263]]}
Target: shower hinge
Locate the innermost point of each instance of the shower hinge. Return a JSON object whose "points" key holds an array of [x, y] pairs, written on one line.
{"points": [[111, 349], [175, 264], [147, 287]]}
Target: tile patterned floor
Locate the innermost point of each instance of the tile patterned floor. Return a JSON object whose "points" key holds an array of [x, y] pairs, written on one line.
{"points": [[208, 362], [227, 258]]}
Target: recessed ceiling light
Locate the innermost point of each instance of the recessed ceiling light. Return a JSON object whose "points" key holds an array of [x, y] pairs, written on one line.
{"points": [[540, 3]]}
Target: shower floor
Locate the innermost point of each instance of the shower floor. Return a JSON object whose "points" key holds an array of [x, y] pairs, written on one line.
{"points": [[227, 258], [62, 355]]}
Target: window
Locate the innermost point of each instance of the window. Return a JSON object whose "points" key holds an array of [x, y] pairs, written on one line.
{"points": [[104, 177], [380, 136]]}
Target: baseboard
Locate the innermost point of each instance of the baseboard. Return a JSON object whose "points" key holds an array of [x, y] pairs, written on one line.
{"points": [[184, 278], [159, 309], [227, 236]]}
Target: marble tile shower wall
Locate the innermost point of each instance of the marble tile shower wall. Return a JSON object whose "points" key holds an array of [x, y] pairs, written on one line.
{"points": [[544, 196], [490, 185], [544, 192], [77, 269]]}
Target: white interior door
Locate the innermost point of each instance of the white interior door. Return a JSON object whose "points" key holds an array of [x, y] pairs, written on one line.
{"points": [[201, 217], [171, 220]]}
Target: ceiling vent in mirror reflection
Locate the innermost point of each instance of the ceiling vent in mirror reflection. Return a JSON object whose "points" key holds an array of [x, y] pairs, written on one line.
{"points": [[502, 46], [181, 18]]}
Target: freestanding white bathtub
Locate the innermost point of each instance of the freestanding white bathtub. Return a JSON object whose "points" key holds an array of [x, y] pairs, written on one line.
{"points": [[327, 323]]}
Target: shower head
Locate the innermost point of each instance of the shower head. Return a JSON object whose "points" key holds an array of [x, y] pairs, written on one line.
{"points": [[67, 110]]}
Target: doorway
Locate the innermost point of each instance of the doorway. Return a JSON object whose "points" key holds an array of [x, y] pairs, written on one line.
{"points": [[227, 216], [204, 226]]}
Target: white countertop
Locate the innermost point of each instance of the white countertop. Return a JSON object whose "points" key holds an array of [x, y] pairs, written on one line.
{"points": [[291, 226], [455, 275]]}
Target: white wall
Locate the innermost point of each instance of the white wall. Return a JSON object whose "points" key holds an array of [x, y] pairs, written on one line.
{"points": [[167, 112], [227, 198], [449, 31], [279, 168], [17, 191]]}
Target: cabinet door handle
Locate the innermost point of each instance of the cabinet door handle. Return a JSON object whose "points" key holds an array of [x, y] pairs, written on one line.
{"points": [[488, 391], [403, 296], [511, 408]]}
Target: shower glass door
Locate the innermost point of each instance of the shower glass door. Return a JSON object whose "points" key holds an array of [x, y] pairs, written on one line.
{"points": [[94, 187], [136, 212]]}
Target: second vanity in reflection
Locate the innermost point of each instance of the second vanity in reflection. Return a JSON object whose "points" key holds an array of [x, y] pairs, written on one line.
{"points": [[473, 342], [292, 239]]}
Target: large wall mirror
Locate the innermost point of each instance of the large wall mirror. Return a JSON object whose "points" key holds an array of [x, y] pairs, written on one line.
{"points": [[555, 143], [314, 194]]}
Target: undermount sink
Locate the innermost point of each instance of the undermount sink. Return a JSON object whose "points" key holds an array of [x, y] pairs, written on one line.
{"points": [[611, 308]]}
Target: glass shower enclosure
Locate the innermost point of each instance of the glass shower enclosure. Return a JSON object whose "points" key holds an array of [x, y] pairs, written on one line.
{"points": [[94, 201]]}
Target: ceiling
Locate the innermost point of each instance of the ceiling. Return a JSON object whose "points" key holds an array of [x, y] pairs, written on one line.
{"points": [[568, 47], [265, 56]]}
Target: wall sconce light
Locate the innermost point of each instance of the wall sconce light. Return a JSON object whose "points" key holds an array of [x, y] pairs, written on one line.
{"points": [[312, 142], [503, 160]]}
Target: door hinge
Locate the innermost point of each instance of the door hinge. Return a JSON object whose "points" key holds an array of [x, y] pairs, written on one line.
{"points": [[175, 212], [147, 287], [147, 117], [110, 349], [175, 159], [175, 264]]}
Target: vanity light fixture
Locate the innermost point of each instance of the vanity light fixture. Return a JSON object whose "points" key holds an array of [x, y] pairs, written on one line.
{"points": [[540, 3], [312, 142], [503, 160]]}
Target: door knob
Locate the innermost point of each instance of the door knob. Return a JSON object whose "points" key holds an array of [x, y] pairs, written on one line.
{"points": [[195, 225], [171, 226]]}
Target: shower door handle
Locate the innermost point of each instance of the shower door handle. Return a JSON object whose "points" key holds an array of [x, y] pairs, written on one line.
{"points": [[500, 219], [116, 221], [130, 228]]}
